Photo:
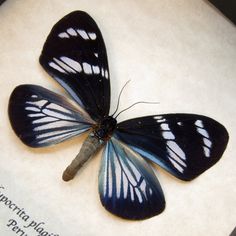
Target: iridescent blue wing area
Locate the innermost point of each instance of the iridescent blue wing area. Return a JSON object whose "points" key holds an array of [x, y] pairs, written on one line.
{"points": [[186, 145], [128, 186], [74, 54], [40, 117]]}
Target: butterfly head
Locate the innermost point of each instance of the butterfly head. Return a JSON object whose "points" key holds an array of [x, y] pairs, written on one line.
{"points": [[105, 128]]}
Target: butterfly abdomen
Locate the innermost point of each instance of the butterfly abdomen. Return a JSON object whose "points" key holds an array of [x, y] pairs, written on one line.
{"points": [[89, 148]]}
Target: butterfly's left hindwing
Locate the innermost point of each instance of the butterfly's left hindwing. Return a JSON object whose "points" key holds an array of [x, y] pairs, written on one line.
{"points": [[128, 186], [40, 117], [184, 144]]}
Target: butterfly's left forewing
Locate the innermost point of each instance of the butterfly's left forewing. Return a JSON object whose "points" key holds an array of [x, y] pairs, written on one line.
{"points": [[128, 186]]}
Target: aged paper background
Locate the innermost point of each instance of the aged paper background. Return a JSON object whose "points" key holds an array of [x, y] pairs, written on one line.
{"points": [[180, 53]]}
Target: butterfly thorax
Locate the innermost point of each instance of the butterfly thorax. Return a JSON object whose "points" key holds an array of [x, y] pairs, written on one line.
{"points": [[104, 129]]}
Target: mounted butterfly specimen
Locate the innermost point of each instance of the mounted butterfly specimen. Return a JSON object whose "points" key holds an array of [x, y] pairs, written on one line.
{"points": [[185, 145]]}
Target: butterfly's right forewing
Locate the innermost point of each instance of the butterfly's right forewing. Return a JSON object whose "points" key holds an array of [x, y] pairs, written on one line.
{"points": [[74, 54]]}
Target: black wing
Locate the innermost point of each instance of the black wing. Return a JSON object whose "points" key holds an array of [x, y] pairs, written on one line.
{"points": [[74, 54], [128, 186], [184, 144], [40, 117]]}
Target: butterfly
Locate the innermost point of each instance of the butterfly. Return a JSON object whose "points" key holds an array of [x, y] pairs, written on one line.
{"points": [[185, 145]]}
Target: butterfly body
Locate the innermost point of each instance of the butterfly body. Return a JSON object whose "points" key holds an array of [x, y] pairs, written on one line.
{"points": [[94, 142], [185, 145], [105, 128]]}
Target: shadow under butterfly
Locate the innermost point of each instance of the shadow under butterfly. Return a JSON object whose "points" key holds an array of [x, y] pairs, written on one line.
{"points": [[185, 145]]}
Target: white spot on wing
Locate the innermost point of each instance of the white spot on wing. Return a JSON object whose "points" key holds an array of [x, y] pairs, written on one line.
{"points": [[63, 35], [56, 67], [36, 115], [168, 135], [102, 72], [177, 166], [83, 34], [72, 32], [203, 132], [55, 133], [135, 172], [157, 117], [199, 123], [140, 199], [207, 142], [175, 157], [58, 108], [118, 178], [96, 69], [44, 120], [206, 151], [72, 63], [165, 126], [150, 191], [110, 180], [129, 175], [61, 137], [56, 114], [176, 161], [39, 103], [143, 187], [132, 194], [32, 109], [92, 35], [125, 185], [64, 66], [176, 148], [105, 172], [87, 68], [163, 120], [57, 124], [106, 74]]}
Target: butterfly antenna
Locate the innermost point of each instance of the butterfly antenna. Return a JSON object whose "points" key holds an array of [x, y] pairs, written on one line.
{"points": [[118, 103], [141, 102]]}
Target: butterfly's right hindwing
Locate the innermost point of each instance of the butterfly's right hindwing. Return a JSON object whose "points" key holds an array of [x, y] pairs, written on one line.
{"points": [[40, 117]]}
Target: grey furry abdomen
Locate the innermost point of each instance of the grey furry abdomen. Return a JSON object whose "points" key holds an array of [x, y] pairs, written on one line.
{"points": [[90, 147]]}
